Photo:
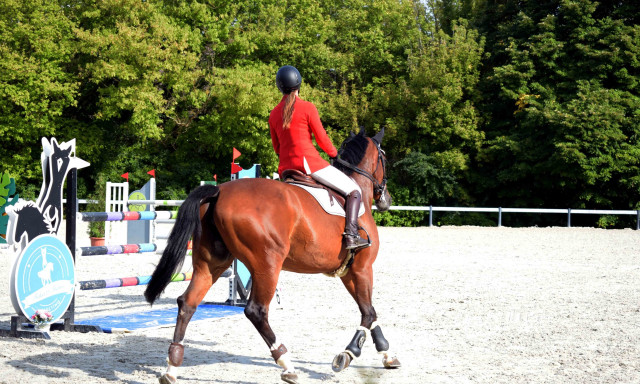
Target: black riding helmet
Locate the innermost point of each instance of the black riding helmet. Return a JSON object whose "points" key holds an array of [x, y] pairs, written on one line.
{"points": [[288, 79]]}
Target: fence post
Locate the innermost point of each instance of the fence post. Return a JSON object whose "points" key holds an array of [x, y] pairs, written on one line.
{"points": [[431, 215], [499, 216], [569, 217], [152, 207], [638, 219], [72, 210]]}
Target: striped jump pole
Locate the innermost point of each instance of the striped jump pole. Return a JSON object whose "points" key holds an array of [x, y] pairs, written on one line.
{"points": [[128, 281], [127, 216], [116, 249], [164, 203], [189, 248]]}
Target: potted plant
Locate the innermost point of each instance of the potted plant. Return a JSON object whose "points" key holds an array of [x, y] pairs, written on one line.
{"points": [[97, 204], [96, 233]]}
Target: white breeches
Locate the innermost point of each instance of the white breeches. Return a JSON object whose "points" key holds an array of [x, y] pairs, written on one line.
{"points": [[332, 177]]}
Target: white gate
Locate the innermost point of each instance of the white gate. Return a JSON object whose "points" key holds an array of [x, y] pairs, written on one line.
{"points": [[116, 201]]}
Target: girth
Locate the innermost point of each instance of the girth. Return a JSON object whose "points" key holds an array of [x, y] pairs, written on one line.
{"points": [[293, 176]]}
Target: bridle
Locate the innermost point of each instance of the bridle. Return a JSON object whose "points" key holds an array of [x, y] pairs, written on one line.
{"points": [[378, 188]]}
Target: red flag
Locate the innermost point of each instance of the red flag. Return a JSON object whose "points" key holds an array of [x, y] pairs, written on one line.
{"points": [[215, 178], [152, 173], [235, 168], [236, 154], [126, 176]]}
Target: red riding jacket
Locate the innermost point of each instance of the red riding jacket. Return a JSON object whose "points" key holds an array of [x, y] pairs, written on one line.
{"points": [[293, 145]]}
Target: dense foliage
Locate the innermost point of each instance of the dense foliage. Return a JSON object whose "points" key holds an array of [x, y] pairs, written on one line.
{"points": [[485, 102], [561, 98]]}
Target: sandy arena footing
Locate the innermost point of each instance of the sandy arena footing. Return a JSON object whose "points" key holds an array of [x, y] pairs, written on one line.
{"points": [[457, 304]]}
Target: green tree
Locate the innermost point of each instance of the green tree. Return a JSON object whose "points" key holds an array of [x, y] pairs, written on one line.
{"points": [[561, 100], [137, 68], [446, 13], [433, 119], [36, 83]]}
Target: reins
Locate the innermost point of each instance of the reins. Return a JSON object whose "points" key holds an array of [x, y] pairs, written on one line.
{"points": [[377, 187]]}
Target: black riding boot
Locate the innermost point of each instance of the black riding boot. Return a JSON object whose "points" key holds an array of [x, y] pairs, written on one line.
{"points": [[351, 235]]}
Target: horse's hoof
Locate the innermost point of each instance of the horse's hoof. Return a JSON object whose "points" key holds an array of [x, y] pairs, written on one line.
{"points": [[289, 377], [391, 362], [341, 361], [167, 379]]}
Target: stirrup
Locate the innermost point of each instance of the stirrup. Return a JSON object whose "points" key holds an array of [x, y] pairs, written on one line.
{"points": [[354, 242]]}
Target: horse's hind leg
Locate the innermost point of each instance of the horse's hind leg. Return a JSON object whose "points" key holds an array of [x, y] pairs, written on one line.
{"points": [[257, 311], [204, 275], [360, 286]]}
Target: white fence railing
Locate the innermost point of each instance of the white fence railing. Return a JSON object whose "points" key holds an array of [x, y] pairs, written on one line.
{"points": [[500, 211]]}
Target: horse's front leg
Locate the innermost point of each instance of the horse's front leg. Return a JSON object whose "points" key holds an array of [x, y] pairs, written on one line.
{"points": [[263, 287], [359, 283]]}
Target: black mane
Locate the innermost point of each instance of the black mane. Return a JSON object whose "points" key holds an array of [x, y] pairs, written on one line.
{"points": [[352, 151]]}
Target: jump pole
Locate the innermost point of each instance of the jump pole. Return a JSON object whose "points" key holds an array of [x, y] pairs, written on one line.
{"points": [[238, 289], [71, 239], [128, 281]]}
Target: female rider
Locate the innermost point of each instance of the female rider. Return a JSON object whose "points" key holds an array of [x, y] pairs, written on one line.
{"points": [[291, 123]]}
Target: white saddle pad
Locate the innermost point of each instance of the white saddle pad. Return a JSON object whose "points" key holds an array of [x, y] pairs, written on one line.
{"points": [[325, 201]]}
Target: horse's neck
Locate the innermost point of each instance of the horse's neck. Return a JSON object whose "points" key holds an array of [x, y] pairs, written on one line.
{"points": [[365, 187], [370, 166]]}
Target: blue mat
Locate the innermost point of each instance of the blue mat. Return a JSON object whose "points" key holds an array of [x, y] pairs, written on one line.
{"points": [[157, 318]]}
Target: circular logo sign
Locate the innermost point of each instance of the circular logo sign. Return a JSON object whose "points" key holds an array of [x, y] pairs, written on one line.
{"points": [[43, 278], [137, 195]]}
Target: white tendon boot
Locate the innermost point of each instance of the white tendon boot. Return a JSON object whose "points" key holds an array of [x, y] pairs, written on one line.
{"points": [[283, 359]]}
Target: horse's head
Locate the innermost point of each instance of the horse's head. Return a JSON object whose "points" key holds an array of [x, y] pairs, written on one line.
{"points": [[362, 155], [381, 194]]}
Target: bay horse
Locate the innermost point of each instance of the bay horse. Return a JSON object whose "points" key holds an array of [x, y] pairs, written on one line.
{"points": [[271, 226]]}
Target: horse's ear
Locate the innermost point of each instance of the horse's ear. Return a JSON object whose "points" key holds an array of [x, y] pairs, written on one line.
{"points": [[378, 137], [352, 134], [54, 144], [362, 132]]}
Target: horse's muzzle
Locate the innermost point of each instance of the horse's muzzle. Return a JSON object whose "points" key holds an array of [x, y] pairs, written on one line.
{"points": [[383, 203]]}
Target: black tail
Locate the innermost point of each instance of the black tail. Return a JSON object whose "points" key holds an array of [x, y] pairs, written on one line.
{"points": [[187, 224]]}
